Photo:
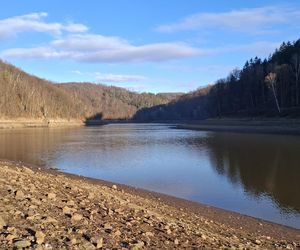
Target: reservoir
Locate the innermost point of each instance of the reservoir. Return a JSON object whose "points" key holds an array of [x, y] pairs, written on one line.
{"points": [[253, 174]]}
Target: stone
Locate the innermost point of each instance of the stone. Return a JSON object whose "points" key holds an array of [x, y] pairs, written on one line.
{"points": [[19, 195], [10, 237], [73, 241], [2, 222], [76, 217], [114, 187], [22, 243], [40, 237], [71, 203], [27, 170], [257, 242], [51, 196], [149, 234], [99, 243], [138, 245], [176, 241], [67, 210]]}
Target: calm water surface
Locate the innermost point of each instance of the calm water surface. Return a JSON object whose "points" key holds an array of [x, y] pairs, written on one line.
{"points": [[258, 175]]}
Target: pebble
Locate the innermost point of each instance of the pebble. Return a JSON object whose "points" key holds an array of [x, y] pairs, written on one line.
{"points": [[114, 187], [257, 242], [51, 196], [22, 243], [19, 195], [2, 222], [40, 237], [76, 217], [67, 210]]}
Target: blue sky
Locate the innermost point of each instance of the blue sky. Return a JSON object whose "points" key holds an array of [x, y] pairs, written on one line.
{"points": [[152, 46]]}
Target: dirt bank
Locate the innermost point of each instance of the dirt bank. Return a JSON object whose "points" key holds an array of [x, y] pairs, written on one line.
{"points": [[31, 123], [50, 210], [267, 126]]}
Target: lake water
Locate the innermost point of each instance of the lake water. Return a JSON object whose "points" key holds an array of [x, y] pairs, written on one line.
{"points": [[253, 174]]}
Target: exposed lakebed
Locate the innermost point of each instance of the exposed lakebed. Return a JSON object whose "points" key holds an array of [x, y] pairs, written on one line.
{"points": [[253, 174]]}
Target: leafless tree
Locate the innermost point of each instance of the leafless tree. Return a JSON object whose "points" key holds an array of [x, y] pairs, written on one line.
{"points": [[271, 82]]}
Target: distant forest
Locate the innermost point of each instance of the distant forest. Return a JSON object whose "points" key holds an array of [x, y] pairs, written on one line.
{"points": [[26, 96], [265, 88]]}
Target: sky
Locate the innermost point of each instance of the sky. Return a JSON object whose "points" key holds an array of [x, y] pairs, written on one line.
{"points": [[144, 46]]}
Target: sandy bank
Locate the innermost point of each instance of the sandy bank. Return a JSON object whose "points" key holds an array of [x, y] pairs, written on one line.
{"points": [[282, 126], [51, 210]]}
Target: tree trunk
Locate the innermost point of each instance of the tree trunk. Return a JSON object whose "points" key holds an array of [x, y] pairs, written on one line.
{"points": [[276, 100]]}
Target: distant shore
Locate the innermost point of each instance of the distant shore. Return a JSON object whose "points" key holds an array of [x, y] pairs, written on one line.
{"points": [[40, 207], [47, 123], [38, 123], [265, 126]]}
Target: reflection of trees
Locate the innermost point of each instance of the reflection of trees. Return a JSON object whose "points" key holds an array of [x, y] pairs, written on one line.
{"points": [[30, 145], [263, 164]]}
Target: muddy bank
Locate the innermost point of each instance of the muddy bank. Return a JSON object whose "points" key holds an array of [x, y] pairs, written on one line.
{"points": [[268, 126], [51, 210]]}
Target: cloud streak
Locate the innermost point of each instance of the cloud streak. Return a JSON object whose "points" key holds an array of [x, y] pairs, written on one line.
{"points": [[34, 23], [106, 49], [255, 20], [115, 78]]}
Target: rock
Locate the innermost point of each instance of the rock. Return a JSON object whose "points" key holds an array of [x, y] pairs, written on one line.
{"points": [[71, 203], [257, 242], [76, 217], [203, 237], [50, 220], [67, 210], [114, 187], [138, 245], [73, 241], [22, 243], [10, 237], [149, 234], [88, 246], [40, 237], [19, 195], [99, 243], [176, 241], [2, 222], [51, 196], [117, 233], [27, 170], [91, 196]]}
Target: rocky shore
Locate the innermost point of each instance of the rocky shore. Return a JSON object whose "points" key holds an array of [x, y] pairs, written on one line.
{"points": [[50, 210]]}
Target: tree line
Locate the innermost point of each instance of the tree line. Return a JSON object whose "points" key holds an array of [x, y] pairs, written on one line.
{"points": [[263, 87]]}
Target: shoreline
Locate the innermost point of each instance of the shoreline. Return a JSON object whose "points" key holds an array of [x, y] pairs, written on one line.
{"points": [[216, 218], [39, 123], [245, 125], [267, 126]]}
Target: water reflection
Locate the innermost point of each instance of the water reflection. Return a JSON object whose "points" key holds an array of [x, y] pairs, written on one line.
{"points": [[252, 174], [262, 164], [31, 145]]}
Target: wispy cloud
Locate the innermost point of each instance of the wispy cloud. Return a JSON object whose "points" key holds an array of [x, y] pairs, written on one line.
{"points": [[255, 20], [98, 48], [115, 78], [35, 22]]}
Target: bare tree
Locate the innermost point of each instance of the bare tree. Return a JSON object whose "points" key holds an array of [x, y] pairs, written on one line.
{"points": [[271, 81]]}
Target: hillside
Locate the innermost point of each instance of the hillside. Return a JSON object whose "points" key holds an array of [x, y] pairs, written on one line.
{"points": [[26, 96], [263, 88]]}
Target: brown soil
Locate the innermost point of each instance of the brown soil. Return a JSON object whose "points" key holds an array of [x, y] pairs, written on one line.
{"points": [[42, 209]]}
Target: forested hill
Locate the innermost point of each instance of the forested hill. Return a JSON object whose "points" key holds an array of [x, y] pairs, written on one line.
{"points": [[26, 96], [268, 87]]}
